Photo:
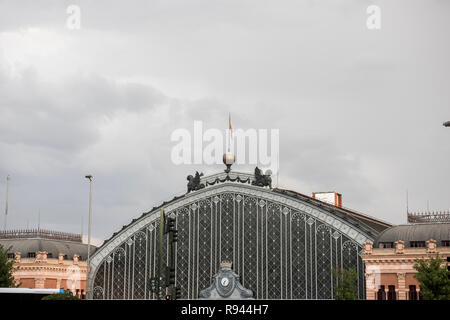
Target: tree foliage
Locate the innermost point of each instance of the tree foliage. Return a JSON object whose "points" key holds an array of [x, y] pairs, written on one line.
{"points": [[6, 269], [434, 278], [60, 296], [346, 285]]}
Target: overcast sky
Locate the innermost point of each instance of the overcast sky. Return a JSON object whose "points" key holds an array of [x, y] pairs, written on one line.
{"points": [[359, 111]]}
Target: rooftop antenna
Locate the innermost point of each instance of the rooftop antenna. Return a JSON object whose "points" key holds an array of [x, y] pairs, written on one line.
{"points": [[230, 127], [407, 205], [278, 170]]}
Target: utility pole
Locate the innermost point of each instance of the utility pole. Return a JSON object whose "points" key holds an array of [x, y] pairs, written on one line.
{"points": [[170, 273], [157, 284], [89, 228], [162, 223], [6, 204]]}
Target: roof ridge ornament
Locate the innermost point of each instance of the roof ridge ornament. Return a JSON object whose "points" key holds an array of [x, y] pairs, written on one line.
{"points": [[228, 160], [262, 180], [194, 183]]}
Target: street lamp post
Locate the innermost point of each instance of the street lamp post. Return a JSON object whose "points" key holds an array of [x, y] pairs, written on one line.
{"points": [[89, 228], [6, 204]]}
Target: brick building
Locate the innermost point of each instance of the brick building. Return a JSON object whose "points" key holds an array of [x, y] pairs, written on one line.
{"points": [[390, 259], [47, 259]]}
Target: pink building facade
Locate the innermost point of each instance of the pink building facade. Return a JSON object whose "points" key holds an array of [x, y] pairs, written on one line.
{"points": [[47, 259], [389, 262]]}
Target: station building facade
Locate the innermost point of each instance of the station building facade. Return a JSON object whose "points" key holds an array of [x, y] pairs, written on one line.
{"points": [[282, 244]]}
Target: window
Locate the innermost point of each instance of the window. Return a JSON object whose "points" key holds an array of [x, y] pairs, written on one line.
{"points": [[417, 244], [412, 293], [10, 255], [381, 294], [391, 293], [66, 257], [386, 245], [31, 254], [50, 255], [445, 243]]}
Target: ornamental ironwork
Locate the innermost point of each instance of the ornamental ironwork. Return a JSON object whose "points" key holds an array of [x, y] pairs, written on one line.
{"points": [[282, 248]]}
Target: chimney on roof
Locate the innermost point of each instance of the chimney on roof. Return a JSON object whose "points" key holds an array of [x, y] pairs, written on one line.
{"points": [[331, 197]]}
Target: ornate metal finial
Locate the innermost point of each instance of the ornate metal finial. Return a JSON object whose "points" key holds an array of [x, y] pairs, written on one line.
{"points": [[194, 183], [228, 160], [262, 180]]}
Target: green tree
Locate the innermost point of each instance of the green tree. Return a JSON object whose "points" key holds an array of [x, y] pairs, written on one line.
{"points": [[434, 278], [6, 269], [346, 285], [60, 296]]}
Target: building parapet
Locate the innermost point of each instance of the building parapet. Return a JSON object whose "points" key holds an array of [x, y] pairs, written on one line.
{"points": [[429, 216], [40, 233], [431, 248]]}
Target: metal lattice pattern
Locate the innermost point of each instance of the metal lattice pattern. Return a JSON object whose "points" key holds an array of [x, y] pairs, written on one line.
{"points": [[298, 256], [279, 252], [274, 251], [249, 245], [324, 261], [139, 266], [204, 245]]}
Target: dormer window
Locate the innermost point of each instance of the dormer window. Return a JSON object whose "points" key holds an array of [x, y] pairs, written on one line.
{"points": [[417, 244]]}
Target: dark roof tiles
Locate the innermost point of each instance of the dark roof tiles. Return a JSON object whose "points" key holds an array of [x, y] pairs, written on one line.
{"points": [[415, 232]]}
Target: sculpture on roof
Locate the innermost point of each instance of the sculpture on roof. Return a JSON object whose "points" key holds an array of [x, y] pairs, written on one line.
{"points": [[194, 183], [262, 180]]}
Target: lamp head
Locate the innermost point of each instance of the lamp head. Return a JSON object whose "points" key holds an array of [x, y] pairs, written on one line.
{"points": [[88, 177]]}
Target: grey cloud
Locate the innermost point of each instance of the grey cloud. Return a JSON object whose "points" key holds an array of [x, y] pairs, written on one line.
{"points": [[66, 115], [359, 112]]}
